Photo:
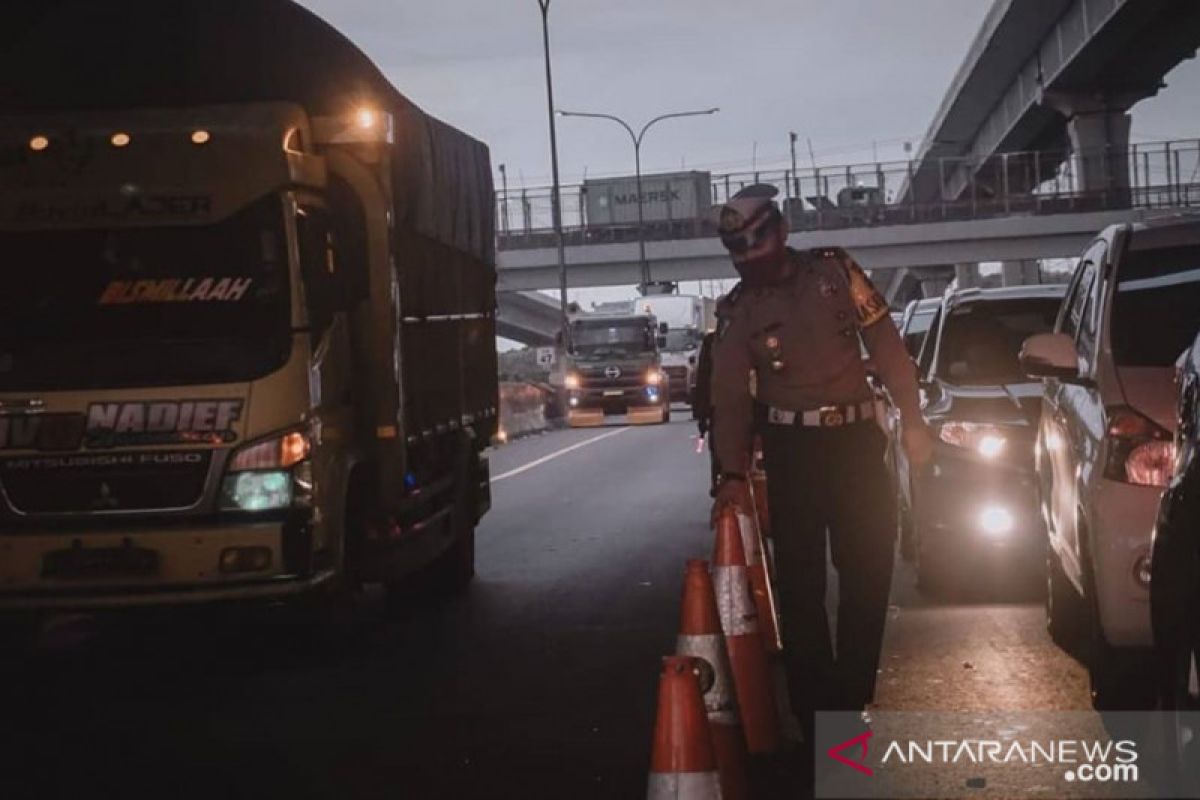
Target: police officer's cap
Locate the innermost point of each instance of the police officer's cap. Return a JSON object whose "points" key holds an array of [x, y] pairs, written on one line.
{"points": [[746, 207]]}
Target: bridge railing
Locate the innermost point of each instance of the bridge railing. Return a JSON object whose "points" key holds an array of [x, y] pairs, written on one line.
{"points": [[1149, 175]]}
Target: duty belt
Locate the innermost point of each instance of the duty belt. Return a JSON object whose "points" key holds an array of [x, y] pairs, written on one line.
{"points": [[823, 417]]}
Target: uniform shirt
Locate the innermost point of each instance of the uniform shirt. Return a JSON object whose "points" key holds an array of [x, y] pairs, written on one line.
{"points": [[800, 340]]}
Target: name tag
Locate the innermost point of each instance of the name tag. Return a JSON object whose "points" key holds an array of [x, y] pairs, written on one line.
{"points": [[778, 416]]}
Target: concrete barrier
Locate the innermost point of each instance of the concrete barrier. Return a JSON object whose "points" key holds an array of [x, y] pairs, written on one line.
{"points": [[522, 409]]}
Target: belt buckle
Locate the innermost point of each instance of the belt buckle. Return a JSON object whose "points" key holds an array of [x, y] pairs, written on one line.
{"points": [[831, 416]]}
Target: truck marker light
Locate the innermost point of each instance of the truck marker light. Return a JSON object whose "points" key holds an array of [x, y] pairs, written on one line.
{"points": [[120, 139], [244, 559], [39, 143], [200, 137], [366, 117]]}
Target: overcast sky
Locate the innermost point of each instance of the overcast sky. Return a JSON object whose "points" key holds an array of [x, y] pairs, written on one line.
{"points": [[844, 73]]}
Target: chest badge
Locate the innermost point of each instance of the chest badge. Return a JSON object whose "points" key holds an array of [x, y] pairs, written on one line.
{"points": [[826, 288], [775, 353]]}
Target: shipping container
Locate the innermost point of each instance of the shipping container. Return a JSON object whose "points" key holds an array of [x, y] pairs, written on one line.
{"points": [[665, 197]]}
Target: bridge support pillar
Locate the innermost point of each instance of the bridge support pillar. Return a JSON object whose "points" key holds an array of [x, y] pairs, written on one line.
{"points": [[1020, 273], [1099, 131], [967, 275]]}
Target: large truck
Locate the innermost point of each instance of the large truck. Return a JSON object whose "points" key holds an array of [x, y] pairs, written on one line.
{"points": [[688, 318], [247, 348], [614, 367]]}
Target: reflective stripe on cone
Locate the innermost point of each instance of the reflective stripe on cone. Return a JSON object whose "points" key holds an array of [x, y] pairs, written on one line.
{"points": [[700, 636], [760, 582], [743, 640], [683, 765]]}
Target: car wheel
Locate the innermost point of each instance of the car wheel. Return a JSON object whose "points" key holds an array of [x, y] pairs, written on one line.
{"points": [[1065, 610]]}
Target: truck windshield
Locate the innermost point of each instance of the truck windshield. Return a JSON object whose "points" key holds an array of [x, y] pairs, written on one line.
{"points": [[1156, 310], [612, 338], [681, 339], [145, 306], [980, 341]]}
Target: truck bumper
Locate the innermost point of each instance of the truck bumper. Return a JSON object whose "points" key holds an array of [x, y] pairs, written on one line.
{"points": [[186, 570]]}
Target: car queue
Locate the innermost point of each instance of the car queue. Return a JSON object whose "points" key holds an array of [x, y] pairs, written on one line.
{"points": [[1067, 446]]}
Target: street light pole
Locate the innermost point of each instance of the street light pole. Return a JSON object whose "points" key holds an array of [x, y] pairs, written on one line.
{"points": [[637, 138], [795, 178], [556, 198]]}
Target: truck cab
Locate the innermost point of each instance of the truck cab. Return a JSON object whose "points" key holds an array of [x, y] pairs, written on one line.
{"points": [[614, 367]]}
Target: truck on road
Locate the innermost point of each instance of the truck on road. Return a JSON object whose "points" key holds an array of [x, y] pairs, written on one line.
{"points": [[688, 318], [247, 350], [614, 367]]}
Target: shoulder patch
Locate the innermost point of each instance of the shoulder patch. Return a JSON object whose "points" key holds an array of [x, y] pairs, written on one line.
{"points": [[869, 304]]}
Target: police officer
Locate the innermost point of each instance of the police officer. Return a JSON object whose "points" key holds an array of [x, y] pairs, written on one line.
{"points": [[794, 321]]}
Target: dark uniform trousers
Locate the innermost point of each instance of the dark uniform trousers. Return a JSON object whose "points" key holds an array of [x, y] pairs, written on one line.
{"points": [[830, 480]]}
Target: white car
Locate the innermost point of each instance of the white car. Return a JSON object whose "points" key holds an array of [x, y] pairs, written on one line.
{"points": [[1104, 449]]}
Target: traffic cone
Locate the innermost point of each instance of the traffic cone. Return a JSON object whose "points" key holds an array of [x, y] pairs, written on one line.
{"points": [[743, 638], [760, 581], [700, 636], [683, 765]]}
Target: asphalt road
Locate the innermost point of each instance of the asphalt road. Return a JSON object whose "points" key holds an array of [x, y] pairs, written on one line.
{"points": [[537, 682]]}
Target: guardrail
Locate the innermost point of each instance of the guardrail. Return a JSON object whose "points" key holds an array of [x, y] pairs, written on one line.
{"points": [[1156, 175]]}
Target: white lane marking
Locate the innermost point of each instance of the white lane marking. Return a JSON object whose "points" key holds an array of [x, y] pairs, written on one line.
{"points": [[555, 454]]}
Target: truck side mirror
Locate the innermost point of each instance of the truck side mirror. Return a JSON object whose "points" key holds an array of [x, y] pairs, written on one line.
{"points": [[1050, 355], [661, 341], [664, 328]]}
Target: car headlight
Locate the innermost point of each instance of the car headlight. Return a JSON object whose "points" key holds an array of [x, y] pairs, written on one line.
{"points": [[989, 441], [571, 381], [269, 474], [653, 377]]}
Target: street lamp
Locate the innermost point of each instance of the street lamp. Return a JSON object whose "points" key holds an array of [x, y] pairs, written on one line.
{"points": [[637, 165], [555, 199]]}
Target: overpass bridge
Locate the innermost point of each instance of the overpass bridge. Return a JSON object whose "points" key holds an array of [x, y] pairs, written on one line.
{"points": [[1026, 158], [904, 241]]}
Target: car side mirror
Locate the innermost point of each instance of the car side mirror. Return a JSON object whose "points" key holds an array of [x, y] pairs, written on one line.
{"points": [[1050, 355]]}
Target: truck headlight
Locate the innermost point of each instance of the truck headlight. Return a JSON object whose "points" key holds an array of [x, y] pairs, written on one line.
{"points": [[269, 474], [653, 377], [571, 381]]}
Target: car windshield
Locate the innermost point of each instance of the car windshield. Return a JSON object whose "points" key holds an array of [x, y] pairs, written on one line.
{"points": [[918, 326], [160, 305], [612, 338], [980, 341], [1156, 310]]}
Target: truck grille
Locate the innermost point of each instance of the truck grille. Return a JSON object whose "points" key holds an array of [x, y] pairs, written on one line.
{"points": [[91, 483], [594, 378]]}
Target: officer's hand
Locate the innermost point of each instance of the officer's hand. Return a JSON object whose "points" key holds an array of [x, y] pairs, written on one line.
{"points": [[732, 494], [918, 444]]}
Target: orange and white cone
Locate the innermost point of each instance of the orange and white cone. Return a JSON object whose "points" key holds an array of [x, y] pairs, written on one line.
{"points": [[683, 765], [700, 636], [760, 581], [758, 489], [743, 638]]}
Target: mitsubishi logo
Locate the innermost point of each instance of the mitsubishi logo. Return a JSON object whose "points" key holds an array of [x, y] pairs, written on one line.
{"points": [[612, 372], [106, 498]]}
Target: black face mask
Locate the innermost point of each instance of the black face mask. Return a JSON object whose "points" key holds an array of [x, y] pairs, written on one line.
{"points": [[753, 235]]}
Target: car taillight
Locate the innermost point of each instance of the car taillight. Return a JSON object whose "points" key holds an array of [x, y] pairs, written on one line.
{"points": [[1139, 451]]}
